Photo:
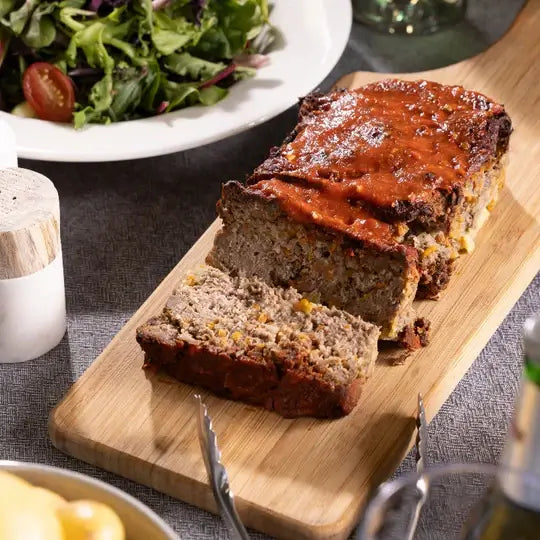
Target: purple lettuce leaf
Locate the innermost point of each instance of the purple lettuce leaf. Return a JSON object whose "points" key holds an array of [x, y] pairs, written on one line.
{"points": [[198, 8], [96, 5]]}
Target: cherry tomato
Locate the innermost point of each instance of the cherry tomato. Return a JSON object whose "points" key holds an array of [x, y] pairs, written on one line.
{"points": [[49, 92]]}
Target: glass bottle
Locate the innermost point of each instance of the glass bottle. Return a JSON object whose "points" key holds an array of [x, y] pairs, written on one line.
{"points": [[511, 511]]}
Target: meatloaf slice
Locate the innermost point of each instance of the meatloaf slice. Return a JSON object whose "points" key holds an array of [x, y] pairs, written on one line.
{"points": [[269, 346], [416, 152], [343, 262]]}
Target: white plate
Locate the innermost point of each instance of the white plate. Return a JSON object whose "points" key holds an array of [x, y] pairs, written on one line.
{"points": [[314, 33]]}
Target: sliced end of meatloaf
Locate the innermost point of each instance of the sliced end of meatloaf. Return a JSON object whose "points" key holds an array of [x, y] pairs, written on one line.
{"points": [[439, 247], [364, 275], [269, 346], [416, 153]]}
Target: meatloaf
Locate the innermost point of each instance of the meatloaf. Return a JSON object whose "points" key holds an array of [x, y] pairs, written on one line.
{"points": [[269, 346], [370, 199], [368, 277]]}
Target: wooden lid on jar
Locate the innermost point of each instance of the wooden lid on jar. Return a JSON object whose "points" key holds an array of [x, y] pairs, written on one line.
{"points": [[29, 222]]}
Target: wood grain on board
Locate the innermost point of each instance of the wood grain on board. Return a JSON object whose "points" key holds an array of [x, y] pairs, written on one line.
{"points": [[308, 478]]}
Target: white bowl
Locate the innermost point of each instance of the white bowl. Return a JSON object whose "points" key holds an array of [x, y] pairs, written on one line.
{"points": [[313, 36], [139, 521]]}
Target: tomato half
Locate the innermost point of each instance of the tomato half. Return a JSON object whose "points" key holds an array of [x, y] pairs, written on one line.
{"points": [[49, 92]]}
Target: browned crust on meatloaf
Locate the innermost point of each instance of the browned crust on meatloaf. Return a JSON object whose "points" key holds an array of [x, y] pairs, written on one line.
{"points": [[277, 385], [439, 277], [416, 335]]}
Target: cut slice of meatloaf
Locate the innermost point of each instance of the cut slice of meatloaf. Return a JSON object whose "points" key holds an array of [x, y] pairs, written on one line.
{"points": [[359, 269], [418, 153], [269, 346]]}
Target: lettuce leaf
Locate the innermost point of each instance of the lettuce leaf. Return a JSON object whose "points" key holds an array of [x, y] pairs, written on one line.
{"points": [[41, 30], [190, 66], [7, 6], [19, 18], [179, 95]]}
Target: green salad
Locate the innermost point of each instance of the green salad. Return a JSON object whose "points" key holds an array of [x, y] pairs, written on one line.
{"points": [[102, 61]]}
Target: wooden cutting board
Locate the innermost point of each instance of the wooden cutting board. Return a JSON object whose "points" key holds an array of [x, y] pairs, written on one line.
{"points": [[309, 478]]}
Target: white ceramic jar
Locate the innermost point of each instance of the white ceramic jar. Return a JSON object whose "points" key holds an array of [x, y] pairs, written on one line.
{"points": [[32, 296]]}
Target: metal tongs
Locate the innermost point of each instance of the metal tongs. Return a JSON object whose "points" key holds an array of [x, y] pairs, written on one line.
{"points": [[421, 483], [217, 475]]}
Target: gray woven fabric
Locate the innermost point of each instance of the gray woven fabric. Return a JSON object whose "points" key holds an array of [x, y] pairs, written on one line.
{"points": [[125, 225]]}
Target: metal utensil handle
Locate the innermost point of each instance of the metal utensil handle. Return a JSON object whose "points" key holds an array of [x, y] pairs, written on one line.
{"points": [[228, 510], [421, 484], [218, 475]]}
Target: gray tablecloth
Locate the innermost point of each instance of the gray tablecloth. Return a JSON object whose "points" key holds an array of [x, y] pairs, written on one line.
{"points": [[125, 225]]}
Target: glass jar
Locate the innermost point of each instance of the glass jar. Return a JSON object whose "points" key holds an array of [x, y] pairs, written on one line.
{"points": [[409, 16]]}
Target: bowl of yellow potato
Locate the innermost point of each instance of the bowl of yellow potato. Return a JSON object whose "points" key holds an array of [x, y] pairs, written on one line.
{"points": [[39, 502]]}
